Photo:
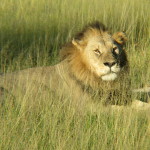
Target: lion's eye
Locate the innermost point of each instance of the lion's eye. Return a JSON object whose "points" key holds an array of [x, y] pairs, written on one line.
{"points": [[97, 51], [115, 50]]}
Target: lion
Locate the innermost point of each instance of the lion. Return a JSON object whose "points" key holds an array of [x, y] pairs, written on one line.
{"points": [[93, 67]]}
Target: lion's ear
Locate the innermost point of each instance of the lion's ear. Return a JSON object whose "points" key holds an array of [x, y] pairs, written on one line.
{"points": [[120, 38], [77, 43]]}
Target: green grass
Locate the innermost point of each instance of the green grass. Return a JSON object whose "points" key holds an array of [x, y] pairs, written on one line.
{"points": [[31, 34]]}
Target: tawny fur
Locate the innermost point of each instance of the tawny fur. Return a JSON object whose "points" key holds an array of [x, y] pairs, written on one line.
{"points": [[79, 74]]}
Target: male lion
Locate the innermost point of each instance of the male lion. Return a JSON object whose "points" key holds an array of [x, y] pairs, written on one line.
{"points": [[93, 66]]}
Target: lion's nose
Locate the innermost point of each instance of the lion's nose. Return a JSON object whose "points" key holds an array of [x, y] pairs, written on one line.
{"points": [[109, 64]]}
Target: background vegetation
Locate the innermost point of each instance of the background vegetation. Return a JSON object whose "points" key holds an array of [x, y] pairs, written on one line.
{"points": [[31, 34]]}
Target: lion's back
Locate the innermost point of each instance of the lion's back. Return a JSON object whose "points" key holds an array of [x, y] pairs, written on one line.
{"points": [[33, 80]]}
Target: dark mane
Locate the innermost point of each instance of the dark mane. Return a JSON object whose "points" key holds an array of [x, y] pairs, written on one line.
{"points": [[94, 25]]}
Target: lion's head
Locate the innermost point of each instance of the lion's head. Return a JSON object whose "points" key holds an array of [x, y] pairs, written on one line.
{"points": [[95, 52]]}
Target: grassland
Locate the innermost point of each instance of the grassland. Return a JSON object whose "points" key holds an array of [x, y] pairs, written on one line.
{"points": [[31, 33]]}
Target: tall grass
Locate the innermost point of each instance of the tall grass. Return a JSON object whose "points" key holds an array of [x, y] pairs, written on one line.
{"points": [[31, 34]]}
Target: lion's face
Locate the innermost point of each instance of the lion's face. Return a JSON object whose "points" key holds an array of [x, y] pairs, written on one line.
{"points": [[104, 57], [103, 54]]}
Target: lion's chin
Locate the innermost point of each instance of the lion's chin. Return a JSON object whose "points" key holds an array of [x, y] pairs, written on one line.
{"points": [[109, 77]]}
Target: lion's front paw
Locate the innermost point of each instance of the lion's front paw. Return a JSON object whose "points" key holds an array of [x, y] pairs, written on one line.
{"points": [[137, 104]]}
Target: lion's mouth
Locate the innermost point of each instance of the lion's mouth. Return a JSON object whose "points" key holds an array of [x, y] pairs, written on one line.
{"points": [[109, 76]]}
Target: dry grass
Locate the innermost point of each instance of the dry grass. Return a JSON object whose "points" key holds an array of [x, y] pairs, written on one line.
{"points": [[31, 33]]}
